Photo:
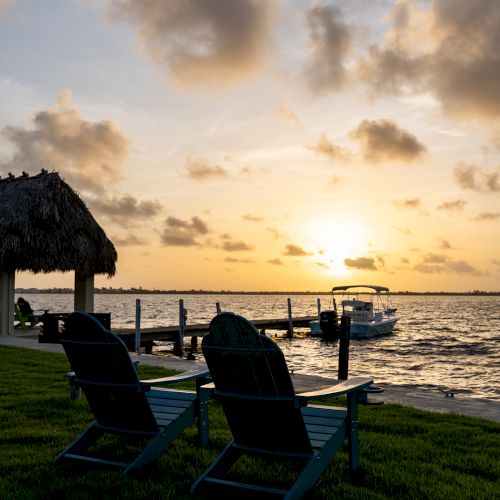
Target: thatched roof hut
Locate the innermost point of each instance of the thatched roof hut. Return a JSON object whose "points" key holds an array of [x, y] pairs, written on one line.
{"points": [[45, 227]]}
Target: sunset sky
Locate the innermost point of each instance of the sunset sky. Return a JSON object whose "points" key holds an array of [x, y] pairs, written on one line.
{"points": [[265, 144]]}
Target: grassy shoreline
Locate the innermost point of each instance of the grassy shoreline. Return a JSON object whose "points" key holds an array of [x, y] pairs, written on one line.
{"points": [[405, 453]]}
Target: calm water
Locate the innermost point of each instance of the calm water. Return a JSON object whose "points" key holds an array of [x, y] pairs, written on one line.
{"points": [[439, 341]]}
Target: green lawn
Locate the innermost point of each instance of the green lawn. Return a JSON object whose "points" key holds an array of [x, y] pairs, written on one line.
{"points": [[405, 453]]}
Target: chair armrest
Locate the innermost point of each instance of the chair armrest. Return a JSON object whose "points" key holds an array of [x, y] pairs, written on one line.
{"points": [[343, 387], [173, 379]]}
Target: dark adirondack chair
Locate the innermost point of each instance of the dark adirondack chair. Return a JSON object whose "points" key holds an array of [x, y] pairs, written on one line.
{"points": [[25, 315], [265, 415], [121, 403]]}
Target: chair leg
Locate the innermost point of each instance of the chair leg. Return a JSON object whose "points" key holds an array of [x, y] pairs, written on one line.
{"points": [[316, 465], [204, 396], [88, 437], [220, 465], [352, 433]]}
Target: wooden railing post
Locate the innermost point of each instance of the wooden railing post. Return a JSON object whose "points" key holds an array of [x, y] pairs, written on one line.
{"points": [[138, 326]]}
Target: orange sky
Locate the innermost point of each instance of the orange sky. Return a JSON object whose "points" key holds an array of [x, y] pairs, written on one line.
{"points": [[264, 144]]}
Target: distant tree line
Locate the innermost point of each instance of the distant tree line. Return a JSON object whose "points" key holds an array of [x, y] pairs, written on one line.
{"points": [[140, 290]]}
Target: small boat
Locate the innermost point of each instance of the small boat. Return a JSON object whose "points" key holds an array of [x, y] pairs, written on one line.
{"points": [[368, 307]]}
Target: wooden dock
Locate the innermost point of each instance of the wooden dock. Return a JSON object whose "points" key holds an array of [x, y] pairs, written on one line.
{"points": [[171, 333]]}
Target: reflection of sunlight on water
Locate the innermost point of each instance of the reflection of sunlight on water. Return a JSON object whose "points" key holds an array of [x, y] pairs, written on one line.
{"points": [[441, 341]]}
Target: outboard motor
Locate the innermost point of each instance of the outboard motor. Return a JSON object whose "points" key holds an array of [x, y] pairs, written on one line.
{"points": [[328, 322]]}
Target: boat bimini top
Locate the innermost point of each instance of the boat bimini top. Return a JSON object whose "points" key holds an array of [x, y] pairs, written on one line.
{"points": [[378, 289]]}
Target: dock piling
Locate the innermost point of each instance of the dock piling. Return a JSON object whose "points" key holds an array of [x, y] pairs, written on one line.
{"points": [[217, 307], [179, 342], [138, 326], [290, 320], [344, 336], [318, 303]]}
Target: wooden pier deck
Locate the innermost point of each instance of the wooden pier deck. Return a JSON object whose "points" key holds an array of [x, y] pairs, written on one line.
{"points": [[171, 333]]}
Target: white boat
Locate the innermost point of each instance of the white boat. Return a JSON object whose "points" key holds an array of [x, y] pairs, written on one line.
{"points": [[368, 307]]}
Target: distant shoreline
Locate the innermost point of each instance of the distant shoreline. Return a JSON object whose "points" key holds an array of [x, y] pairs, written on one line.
{"points": [[135, 291]]}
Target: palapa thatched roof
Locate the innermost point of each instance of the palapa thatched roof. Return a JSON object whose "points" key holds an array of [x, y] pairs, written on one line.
{"points": [[45, 227]]}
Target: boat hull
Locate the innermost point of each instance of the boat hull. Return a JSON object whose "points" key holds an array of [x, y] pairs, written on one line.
{"points": [[361, 329]]}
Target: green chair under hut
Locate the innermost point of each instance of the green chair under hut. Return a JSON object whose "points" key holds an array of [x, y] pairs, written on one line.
{"points": [[266, 417], [121, 403]]}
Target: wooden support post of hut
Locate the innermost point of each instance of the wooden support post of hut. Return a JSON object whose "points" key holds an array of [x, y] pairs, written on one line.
{"points": [[7, 302], [46, 227]]}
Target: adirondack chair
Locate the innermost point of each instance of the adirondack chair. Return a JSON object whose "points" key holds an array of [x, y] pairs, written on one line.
{"points": [[266, 417], [24, 314], [121, 403]]}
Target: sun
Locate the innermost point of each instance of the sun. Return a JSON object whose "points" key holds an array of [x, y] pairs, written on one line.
{"points": [[336, 241]]}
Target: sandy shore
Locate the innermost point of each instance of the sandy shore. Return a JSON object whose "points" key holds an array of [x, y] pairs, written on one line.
{"points": [[404, 395]]}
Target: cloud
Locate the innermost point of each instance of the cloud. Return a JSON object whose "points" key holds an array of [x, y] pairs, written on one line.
{"points": [[89, 155], [487, 216], [183, 233], [124, 209], [202, 42], [404, 230], [230, 245], [453, 206], [383, 140], [449, 49], [445, 245], [439, 264], [200, 170], [129, 240], [275, 262], [253, 218], [475, 178], [239, 261], [286, 115], [361, 263], [295, 251], [322, 264], [412, 203], [276, 233], [330, 150], [330, 42]]}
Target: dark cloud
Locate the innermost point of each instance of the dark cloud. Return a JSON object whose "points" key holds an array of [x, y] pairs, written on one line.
{"points": [[475, 178], [275, 262], [442, 264], [487, 216], [183, 233], [295, 251], [383, 140], [200, 170], [361, 263], [330, 40], [328, 149], [202, 41], [90, 156], [453, 206], [449, 49], [125, 209]]}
